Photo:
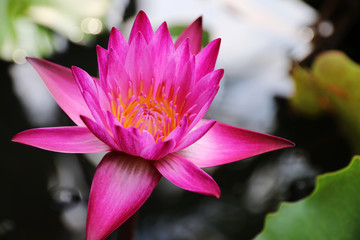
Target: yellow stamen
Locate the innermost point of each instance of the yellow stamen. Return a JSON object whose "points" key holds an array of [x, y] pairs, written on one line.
{"points": [[156, 114]]}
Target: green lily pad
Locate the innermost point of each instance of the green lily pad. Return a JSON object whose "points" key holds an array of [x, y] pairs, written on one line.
{"points": [[332, 211], [307, 99], [331, 86]]}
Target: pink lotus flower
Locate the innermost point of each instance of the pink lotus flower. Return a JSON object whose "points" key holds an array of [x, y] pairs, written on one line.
{"points": [[146, 109]]}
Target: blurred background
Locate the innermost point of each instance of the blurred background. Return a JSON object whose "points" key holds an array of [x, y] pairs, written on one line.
{"points": [[280, 78]]}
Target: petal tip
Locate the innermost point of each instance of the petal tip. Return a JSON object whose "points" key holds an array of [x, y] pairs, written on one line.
{"points": [[142, 24], [142, 13], [23, 137], [98, 47], [221, 72], [215, 192], [36, 61], [16, 138], [290, 143], [218, 194], [199, 21], [77, 73], [29, 59], [75, 68], [113, 29], [282, 142], [217, 43], [195, 32]]}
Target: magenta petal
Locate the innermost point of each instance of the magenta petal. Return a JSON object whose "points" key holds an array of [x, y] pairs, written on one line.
{"points": [[118, 43], [121, 185], [179, 132], [132, 141], [182, 55], [101, 133], [117, 74], [102, 58], [139, 64], [62, 85], [185, 80], [209, 80], [201, 113], [201, 128], [91, 85], [206, 59], [194, 33], [225, 144], [175, 65], [85, 81], [95, 108], [94, 96], [186, 175], [203, 93], [143, 25], [62, 139], [179, 73], [108, 81], [162, 49], [157, 150]]}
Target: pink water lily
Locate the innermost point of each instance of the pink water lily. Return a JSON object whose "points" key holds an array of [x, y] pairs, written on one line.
{"points": [[146, 109]]}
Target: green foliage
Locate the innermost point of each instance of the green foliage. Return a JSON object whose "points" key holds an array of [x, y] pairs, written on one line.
{"points": [[18, 32], [31, 27], [331, 86], [330, 212]]}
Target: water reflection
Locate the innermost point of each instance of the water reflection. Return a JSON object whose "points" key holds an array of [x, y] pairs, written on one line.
{"points": [[273, 181]]}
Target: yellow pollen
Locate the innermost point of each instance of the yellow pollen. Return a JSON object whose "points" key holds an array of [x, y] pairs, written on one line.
{"points": [[158, 115]]}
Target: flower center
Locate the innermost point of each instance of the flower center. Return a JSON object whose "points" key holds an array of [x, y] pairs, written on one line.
{"points": [[154, 113]]}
